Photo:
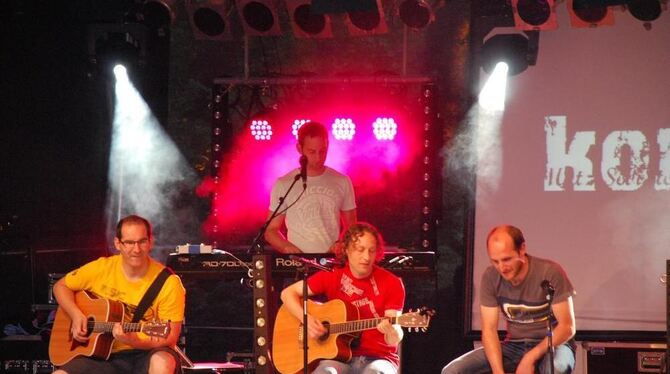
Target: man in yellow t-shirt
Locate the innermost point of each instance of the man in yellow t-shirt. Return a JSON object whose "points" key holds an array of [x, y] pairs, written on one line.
{"points": [[125, 278]]}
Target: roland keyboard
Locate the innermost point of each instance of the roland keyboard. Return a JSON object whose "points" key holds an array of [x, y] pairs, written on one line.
{"points": [[222, 264]]}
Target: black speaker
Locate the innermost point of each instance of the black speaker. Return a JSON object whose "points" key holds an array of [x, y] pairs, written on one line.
{"points": [[629, 358], [219, 317], [16, 292], [212, 344]]}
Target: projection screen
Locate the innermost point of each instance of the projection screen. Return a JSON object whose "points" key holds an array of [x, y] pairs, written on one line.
{"points": [[583, 168]]}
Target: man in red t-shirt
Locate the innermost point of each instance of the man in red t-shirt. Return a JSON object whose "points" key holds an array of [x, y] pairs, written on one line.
{"points": [[374, 291]]}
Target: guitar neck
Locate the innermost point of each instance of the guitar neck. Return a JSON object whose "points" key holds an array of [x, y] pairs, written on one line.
{"points": [[358, 325], [106, 327]]}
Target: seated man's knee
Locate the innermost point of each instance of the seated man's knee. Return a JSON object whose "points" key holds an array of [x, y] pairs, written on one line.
{"points": [[326, 370], [562, 368], [471, 362], [162, 362], [453, 367], [373, 370], [380, 367], [564, 361], [331, 367]]}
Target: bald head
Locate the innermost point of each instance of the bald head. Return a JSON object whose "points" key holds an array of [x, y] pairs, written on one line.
{"points": [[506, 234], [506, 248]]}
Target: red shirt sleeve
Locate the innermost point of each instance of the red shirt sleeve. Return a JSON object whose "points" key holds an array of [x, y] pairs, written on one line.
{"points": [[319, 281]]}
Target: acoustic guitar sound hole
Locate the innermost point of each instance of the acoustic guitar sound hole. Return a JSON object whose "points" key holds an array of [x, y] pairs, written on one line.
{"points": [[325, 336]]}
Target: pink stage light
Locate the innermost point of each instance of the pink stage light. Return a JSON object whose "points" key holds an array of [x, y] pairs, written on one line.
{"points": [[261, 130], [296, 126], [250, 167], [385, 129], [344, 129]]}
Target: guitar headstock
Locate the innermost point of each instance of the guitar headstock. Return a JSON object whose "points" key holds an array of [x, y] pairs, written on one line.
{"points": [[156, 328], [416, 319]]}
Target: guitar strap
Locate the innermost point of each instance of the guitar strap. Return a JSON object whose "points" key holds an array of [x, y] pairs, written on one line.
{"points": [[151, 294]]}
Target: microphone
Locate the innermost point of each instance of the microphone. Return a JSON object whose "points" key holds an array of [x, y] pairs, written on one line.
{"points": [[325, 261], [303, 170], [548, 288], [309, 263], [394, 259], [405, 259]]}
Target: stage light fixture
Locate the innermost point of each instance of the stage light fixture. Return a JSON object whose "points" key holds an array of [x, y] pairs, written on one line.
{"points": [[209, 19], [534, 14], [644, 10], [261, 129], [296, 126], [222, 132], [415, 14], [120, 72], [262, 308], [343, 6], [518, 51], [585, 14], [431, 132], [158, 13], [368, 22], [259, 17], [343, 129], [306, 23], [385, 129], [112, 44]]}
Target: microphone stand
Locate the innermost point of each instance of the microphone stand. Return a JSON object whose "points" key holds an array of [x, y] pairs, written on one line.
{"points": [[550, 334], [305, 345], [257, 244], [304, 270]]}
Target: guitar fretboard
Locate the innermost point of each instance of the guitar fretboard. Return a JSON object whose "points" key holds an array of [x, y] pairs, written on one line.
{"points": [[97, 326], [358, 325]]}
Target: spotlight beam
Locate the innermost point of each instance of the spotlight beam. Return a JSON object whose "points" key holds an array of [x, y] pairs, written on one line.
{"points": [[492, 96], [147, 173]]}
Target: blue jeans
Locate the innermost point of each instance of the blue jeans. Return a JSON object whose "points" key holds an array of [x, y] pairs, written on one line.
{"points": [[357, 365], [475, 362]]}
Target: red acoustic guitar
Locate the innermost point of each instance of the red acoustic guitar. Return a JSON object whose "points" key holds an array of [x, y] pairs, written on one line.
{"points": [[341, 320], [102, 315]]}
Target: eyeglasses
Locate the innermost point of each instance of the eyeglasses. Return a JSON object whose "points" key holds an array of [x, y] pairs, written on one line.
{"points": [[131, 243]]}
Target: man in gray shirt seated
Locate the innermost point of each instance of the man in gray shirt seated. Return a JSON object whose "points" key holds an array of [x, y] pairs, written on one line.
{"points": [[518, 286]]}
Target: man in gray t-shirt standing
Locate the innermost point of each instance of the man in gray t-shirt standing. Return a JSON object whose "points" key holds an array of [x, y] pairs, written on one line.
{"points": [[517, 285], [316, 214]]}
